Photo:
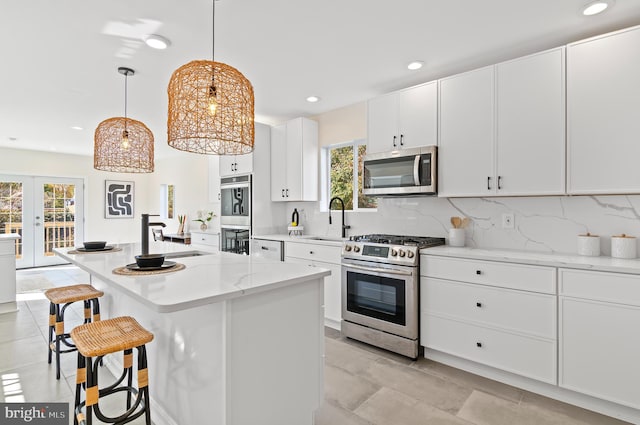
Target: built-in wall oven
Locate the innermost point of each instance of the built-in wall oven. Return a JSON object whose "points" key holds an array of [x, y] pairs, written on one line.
{"points": [[380, 284], [235, 214]]}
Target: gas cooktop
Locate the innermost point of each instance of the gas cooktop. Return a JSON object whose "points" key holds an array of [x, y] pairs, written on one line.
{"points": [[419, 241]]}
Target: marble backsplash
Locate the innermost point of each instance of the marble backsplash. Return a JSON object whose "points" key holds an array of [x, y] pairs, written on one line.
{"points": [[544, 224]]}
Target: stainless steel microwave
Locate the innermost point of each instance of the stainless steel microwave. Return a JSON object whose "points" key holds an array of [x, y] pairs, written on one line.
{"points": [[411, 171]]}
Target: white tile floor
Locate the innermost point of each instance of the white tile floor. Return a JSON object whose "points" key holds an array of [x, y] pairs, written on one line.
{"points": [[363, 385]]}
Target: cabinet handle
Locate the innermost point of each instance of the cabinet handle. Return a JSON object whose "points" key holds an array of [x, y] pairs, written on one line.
{"points": [[488, 183], [394, 141], [401, 142], [287, 193], [478, 305], [283, 193], [311, 252], [499, 182], [479, 344], [219, 196], [478, 271]]}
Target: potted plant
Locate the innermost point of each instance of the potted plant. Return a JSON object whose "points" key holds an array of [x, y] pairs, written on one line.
{"points": [[204, 218]]}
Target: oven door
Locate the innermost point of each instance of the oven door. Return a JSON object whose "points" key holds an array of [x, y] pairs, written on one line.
{"points": [[381, 296], [235, 203]]}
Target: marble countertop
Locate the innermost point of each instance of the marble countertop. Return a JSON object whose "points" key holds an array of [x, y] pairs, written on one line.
{"points": [[315, 239], [207, 279], [606, 264], [9, 236]]}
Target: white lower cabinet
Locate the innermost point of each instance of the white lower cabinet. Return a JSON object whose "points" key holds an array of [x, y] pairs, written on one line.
{"points": [[327, 257], [7, 273], [599, 346], [211, 240], [467, 314]]}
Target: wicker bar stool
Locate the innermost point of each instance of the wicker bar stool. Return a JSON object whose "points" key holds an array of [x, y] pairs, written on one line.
{"points": [[94, 341], [60, 299]]}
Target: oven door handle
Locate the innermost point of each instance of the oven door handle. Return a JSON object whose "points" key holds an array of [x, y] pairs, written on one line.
{"points": [[378, 270]]}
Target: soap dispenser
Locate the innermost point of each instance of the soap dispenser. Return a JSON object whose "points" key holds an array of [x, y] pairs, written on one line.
{"points": [[295, 218]]}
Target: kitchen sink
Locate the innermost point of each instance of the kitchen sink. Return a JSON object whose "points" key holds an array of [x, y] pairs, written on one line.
{"points": [[325, 238], [186, 254]]}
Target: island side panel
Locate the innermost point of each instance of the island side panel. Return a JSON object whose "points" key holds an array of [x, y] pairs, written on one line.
{"points": [[275, 346], [186, 357]]}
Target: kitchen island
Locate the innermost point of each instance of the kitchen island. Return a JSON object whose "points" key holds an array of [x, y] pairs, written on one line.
{"points": [[238, 340]]}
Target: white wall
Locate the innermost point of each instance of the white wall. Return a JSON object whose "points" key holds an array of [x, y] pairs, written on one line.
{"points": [[187, 171]]}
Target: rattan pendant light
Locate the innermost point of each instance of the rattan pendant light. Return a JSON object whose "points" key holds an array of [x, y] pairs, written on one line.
{"points": [[122, 144], [210, 108]]}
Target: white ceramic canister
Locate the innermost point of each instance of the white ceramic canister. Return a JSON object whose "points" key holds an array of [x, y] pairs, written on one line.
{"points": [[623, 246], [589, 245], [456, 237]]}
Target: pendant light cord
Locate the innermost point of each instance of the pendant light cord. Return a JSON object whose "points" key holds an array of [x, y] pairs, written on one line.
{"points": [[126, 76], [213, 46]]}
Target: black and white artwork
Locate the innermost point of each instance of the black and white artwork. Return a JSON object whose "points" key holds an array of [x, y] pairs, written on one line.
{"points": [[118, 199]]}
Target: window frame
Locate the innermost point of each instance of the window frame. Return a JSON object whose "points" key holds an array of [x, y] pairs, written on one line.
{"points": [[325, 177]]}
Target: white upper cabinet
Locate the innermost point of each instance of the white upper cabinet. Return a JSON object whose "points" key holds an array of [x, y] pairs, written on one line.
{"points": [[230, 165], [214, 178], [603, 95], [294, 161], [502, 129], [530, 122], [465, 151], [403, 119]]}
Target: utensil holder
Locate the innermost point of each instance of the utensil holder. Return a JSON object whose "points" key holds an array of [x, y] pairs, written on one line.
{"points": [[456, 237]]}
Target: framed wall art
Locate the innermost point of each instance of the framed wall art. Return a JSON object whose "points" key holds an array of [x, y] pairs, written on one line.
{"points": [[118, 199]]}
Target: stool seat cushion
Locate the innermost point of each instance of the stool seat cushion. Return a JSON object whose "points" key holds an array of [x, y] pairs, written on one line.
{"points": [[72, 293], [109, 336]]}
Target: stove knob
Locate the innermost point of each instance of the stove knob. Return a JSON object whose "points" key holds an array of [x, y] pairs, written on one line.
{"points": [[410, 254], [347, 248], [356, 248], [402, 253], [394, 253]]}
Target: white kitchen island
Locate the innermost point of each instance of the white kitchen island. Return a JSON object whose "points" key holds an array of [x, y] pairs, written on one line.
{"points": [[8, 272], [238, 340]]}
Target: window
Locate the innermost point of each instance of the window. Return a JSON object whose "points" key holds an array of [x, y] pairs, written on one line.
{"points": [[343, 165], [167, 200]]}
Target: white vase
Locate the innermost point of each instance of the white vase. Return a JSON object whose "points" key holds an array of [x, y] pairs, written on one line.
{"points": [[203, 226]]}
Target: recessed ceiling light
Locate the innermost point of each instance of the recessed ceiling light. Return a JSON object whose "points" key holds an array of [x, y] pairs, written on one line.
{"points": [[157, 42], [596, 7], [415, 65], [75, 127], [313, 99], [13, 139]]}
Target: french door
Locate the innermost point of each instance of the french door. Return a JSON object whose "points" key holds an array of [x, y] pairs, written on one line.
{"points": [[48, 212]]}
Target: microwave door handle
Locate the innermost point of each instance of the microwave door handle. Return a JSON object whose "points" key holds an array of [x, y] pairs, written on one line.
{"points": [[378, 270], [416, 170]]}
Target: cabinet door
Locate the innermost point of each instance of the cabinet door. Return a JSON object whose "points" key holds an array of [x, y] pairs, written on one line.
{"points": [[598, 350], [530, 141], [382, 124], [293, 155], [244, 164], [227, 165], [278, 162], [8, 275], [603, 100], [465, 151], [214, 178], [418, 116]]}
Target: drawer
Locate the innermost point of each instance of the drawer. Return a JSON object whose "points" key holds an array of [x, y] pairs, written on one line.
{"points": [[613, 287], [506, 275], [531, 357], [309, 251], [519, 311], [210, 239]]}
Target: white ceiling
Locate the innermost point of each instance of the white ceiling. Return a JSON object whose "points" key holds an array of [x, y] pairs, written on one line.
{"points": [[59, 58]]}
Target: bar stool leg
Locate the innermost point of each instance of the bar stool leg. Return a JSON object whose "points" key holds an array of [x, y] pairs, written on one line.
{"points": [[92, 392], [52, 324], [143, 382], [128, 365], [81, 379], [96, 309], [59, 336]]}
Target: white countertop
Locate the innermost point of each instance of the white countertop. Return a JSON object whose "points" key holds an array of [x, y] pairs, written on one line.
{"points": [[314, 239], [606, 264], [9, 236], [206, 279]]}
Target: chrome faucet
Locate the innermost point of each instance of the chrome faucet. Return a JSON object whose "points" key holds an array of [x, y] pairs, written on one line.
{"points": [[144, 240], [344, 227]]}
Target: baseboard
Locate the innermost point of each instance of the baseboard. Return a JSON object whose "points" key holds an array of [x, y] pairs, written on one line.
{"points": [[332, 323], [552, 391], [9, 307]]}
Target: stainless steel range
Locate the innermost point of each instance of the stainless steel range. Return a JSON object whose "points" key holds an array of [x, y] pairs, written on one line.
{"points": [[380, 281]]}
